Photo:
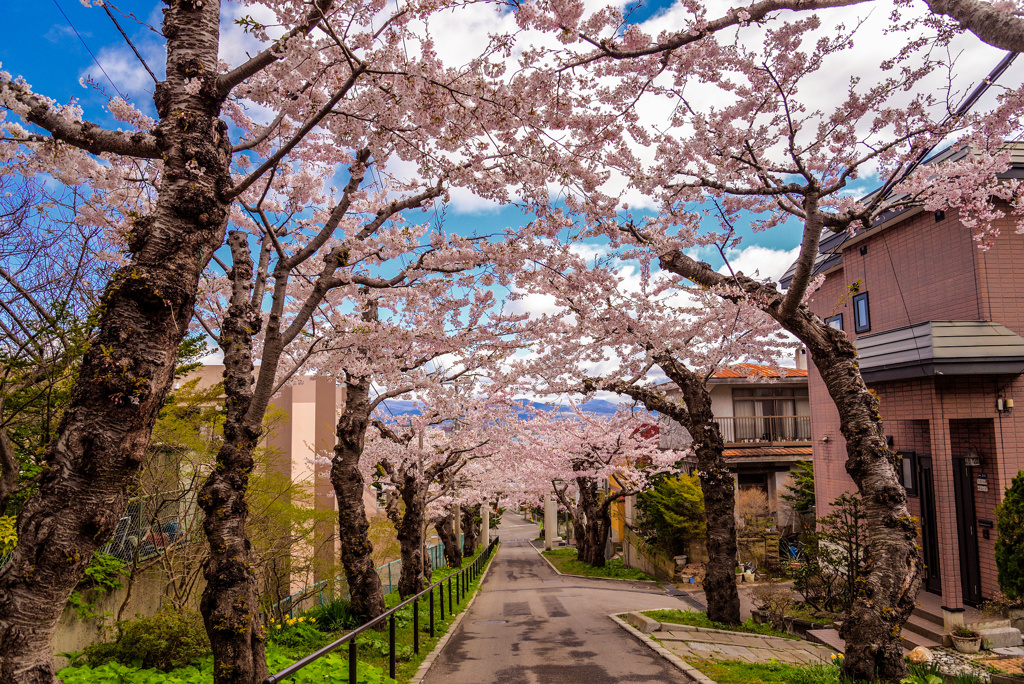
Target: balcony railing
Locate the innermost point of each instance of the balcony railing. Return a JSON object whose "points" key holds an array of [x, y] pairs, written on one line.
{"points": [[743, 429]]}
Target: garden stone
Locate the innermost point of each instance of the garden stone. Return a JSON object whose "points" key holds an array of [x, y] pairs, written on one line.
{"points": [[920, 655]]}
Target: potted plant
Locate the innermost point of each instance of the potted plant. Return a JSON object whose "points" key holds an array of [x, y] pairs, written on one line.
{"points": [[739, 574], [966, 640]]}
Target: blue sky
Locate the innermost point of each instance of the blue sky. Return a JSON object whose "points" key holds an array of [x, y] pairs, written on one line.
{"points": [[37, 41]]}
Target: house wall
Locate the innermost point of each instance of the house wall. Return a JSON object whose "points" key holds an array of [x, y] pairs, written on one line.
{"points": [[942, 275]]}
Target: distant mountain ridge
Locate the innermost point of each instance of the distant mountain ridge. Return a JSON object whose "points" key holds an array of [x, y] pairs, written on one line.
{"points": [[600, 407]]}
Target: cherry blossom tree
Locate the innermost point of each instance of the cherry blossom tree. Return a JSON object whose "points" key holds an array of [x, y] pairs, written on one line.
{"points": [[455, 432], [434, 333], [577, 454], [344, 84], [637, 324], [759, 145]]}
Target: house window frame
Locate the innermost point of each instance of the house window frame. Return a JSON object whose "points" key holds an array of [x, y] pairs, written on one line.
{"points": [[908, 459], [861, 326], [838, 318]]}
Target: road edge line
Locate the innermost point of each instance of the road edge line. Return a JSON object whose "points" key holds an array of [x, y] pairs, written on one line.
{"points": [[428, 662], [689, 670]]}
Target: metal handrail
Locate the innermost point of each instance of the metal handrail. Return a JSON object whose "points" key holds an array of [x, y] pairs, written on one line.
{"points": [[460, 591]]}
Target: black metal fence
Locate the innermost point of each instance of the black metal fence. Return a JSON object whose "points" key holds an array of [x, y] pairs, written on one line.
{"points": [[458, 585]]}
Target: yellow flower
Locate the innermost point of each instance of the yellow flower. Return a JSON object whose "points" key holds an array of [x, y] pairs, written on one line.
{"points": [[278, 626], [302, 619], [291, 622], [312, 620]]}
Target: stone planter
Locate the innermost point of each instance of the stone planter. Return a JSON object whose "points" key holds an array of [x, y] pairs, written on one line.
{"points": [[1016, 616], [748, 577], [966, 644]]}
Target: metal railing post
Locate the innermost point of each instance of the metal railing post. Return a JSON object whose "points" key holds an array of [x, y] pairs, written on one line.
{"points": [[431, 612], [416, 626], [451, 606], [391, 646], [440, 596], [353, 664]]}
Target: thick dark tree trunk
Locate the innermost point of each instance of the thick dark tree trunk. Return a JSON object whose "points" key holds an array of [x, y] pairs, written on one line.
{"points": [[128, 370], [888, 593], [445, 527], [230, 602], [717, 484], [364, 585], [471, 528], [410, 527], [591, 523]]}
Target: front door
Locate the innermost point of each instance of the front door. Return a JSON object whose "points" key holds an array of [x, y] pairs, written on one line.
{"points": [[967, 530], [929, 530]]}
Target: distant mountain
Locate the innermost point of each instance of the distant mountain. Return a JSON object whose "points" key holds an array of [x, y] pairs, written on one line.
{"points": [[406, 407]]}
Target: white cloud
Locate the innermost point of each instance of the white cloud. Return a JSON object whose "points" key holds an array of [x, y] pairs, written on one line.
{"points": [[761, 262]]}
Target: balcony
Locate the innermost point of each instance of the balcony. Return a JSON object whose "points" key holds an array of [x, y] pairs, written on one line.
{"points": [[764, 429]]}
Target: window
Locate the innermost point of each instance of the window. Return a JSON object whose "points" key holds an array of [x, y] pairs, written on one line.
{"points": [[835, 322], [861, 313], [768, 414], [906, 470]]}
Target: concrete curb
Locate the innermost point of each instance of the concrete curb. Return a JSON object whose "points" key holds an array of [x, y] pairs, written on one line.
{"points": [[654, 584], [425, 666], [687, 669]]}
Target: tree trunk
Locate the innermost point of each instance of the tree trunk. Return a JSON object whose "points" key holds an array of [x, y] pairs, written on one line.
{"points": [[471, 527], [410, 527], [717, 484], [364, 585], [230, 602], [127, 372], [888, 593], [594, 524], [446, 531]]}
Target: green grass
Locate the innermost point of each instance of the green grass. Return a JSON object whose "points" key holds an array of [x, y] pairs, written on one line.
{"points": [[373, 648], [372, 651], [565, 562], [695, 619], [734, 672]]}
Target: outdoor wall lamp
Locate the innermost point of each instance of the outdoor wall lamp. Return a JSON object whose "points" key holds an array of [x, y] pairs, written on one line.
{"points": [[973, 458]]}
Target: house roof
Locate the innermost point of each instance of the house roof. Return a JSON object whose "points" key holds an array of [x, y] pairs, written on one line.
{"points": [[832, 244], [757, 452], [755, 370], [940, 348]]}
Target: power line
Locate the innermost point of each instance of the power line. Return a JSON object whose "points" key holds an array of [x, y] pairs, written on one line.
{"points": [[128, 40], [61, 9]]}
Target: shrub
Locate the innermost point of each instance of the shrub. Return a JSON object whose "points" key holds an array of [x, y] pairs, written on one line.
{"points": [[333, 617], [672, 513], [773, 600], [168, 640], [1009, 547], [834, 558]]}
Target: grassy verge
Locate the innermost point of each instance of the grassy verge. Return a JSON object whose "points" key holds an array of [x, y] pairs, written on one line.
{"points": [[565, 561], [700, 619], [734, 672], [372, 650]]}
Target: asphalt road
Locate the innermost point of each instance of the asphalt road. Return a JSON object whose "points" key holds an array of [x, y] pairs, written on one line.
{"points": [[530, 625]]}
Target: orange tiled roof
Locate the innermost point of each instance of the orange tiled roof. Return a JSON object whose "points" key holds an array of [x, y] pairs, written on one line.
{"points": [[754, 370], [768, 451]]}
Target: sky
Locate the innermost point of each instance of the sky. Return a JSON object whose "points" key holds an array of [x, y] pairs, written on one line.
{"points": [[59, 45]]}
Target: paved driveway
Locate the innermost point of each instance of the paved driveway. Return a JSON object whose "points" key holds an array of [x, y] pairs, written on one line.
{"points": [[530, 625]]}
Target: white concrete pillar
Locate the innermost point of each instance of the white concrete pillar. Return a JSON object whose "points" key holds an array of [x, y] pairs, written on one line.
{"points": [[485, 532], [550, 521]]}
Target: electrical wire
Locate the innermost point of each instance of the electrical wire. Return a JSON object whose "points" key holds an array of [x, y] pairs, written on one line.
{"points": [[109, 80]]}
